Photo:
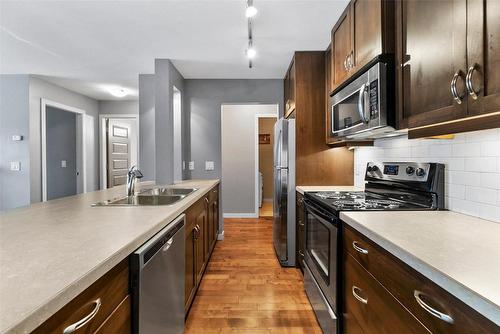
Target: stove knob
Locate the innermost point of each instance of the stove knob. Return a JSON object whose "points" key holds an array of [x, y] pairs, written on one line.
{"points": [[410, 170], [371, 169], [420, 172]]}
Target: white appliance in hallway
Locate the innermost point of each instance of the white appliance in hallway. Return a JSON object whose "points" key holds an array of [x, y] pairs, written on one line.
{"points": [[284, 191]]}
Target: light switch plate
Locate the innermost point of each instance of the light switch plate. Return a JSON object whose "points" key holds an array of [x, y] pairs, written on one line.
{"points": [[191, 165], [63, 164], [15, 166], [17, 137], [209, 165]]}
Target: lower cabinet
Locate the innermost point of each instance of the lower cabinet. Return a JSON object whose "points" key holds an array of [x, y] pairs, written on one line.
{"points": [[300, 230], [202, 220], [104, 307], [384, 295]]}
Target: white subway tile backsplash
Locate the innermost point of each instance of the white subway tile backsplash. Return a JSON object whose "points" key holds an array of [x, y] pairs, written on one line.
{"points": [[472, 167]]}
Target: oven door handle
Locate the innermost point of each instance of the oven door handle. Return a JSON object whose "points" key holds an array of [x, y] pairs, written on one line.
{"points": [[361, 104], [317, 212]]}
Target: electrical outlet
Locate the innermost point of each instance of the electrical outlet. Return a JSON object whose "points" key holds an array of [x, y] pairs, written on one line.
{"points": [[191, 165], [183, 165], [209, 165], [15, 166], [17, 137]]}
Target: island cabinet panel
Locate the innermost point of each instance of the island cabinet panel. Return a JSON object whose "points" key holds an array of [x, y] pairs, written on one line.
{"points": [[202, 220], [99, 304], [420, 296], [371, 307]]}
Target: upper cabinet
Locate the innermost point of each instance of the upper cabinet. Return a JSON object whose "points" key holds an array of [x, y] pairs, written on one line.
{"points": [[289, 84], [364, 31], [448, 65]]}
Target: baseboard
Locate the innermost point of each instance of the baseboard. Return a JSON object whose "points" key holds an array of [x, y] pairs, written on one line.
{"points": [[240, 215], [220, 236]]}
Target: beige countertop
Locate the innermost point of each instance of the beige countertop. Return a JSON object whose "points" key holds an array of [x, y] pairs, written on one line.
{"points": [[50, 252], [457, 252], [303, 189]]}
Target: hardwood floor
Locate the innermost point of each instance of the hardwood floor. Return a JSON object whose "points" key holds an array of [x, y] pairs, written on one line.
{"points": [[245, 290], [266, 210]]}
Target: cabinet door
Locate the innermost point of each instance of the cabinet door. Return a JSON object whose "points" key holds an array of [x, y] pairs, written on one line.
{"points": [[301, 232], [433, 53], [483, 56], [292, 87], [201, 254], [190, 278], [366, 17], [341, 48], [215, 221], [371, 307]]}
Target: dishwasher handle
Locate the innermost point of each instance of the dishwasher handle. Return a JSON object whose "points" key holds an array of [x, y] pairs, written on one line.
{"points": [[162, 241]]}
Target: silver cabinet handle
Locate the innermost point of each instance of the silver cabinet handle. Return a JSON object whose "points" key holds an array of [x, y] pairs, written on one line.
{"points": [[355, 290], [468, 82], [301, 223], [345, 63], [80, 323], [301, 253], [453, 87], [445, 317], [359, 249], [351, 60], [361, 103]]}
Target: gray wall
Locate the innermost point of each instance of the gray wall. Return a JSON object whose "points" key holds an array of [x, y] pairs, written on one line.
{"points": [[61, 145], [166, 76], [14, 120], [119, 107], [147, 126], [41, 89], [203, 99]]}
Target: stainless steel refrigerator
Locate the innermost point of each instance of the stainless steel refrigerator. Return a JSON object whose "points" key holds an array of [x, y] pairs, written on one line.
{"points": [[284, 191]]}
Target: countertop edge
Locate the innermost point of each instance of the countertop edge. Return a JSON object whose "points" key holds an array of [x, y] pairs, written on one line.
{"points": [[460, 291], [50, 307]]}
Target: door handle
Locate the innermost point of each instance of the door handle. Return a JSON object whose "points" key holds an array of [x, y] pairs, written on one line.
{"points": [[361, 104], [468, 82], [168, 244], [453, 87]]}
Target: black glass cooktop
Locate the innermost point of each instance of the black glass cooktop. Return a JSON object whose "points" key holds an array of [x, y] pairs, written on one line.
{"points": [[360, 201]]}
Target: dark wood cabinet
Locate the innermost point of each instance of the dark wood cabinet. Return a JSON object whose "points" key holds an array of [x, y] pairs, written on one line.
{"points": [[315, 162], [108, 299], [433, 60], [447, 66], [289, 85], [364, 30], [402, 283], [300, 230], [202, 220], [341, 48]]}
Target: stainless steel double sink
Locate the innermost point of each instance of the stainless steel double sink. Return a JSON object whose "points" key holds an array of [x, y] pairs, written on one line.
{"points": [[150, 197]]}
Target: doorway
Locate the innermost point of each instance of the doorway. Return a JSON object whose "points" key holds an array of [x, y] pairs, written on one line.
{"points": [[240, 158], [63, 150], [119, 148], [265, 170], [177, 114]]}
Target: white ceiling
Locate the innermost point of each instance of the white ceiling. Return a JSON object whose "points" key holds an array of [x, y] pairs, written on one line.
{"points": [[85, 45]]}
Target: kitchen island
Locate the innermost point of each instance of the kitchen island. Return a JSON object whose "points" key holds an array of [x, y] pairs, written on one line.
{"points": [[51, 252]]}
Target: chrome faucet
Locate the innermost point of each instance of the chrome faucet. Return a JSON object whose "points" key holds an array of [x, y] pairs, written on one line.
{"points": [[132, 176]]}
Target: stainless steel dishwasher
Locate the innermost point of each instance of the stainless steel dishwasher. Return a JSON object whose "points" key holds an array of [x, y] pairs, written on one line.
{"points": [[157, 282]]}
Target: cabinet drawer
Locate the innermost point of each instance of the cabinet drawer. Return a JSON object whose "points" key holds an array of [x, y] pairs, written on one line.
{"points": [[119, 321], [417, 293], [371, 306], [93, 306]]}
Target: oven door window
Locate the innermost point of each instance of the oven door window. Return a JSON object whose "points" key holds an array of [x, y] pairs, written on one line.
{"points": [[345, 114], [318, 244]]}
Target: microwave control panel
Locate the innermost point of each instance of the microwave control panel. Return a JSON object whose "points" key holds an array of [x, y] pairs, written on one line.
{"points": [[373, 96]]}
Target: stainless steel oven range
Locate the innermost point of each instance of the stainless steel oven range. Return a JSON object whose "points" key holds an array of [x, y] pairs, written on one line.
{"points": [[388, 186]]}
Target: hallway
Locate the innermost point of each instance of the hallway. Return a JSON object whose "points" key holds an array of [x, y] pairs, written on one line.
{"points": [[245, 290]]}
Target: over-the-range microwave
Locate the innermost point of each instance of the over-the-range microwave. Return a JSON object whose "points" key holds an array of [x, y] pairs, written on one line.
{"points": [[362, 109]]}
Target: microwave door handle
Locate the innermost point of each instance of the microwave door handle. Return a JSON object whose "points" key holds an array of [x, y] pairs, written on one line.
{"points": [[361, 103]]}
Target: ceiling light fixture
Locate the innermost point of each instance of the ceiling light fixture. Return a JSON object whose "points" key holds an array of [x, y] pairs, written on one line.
{"points": [[118, 91], [251, 11], [250, 52]]}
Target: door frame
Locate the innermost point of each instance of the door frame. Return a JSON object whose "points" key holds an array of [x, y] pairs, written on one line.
{"points": [[44, 103], [103, 175], [256, 134]]}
